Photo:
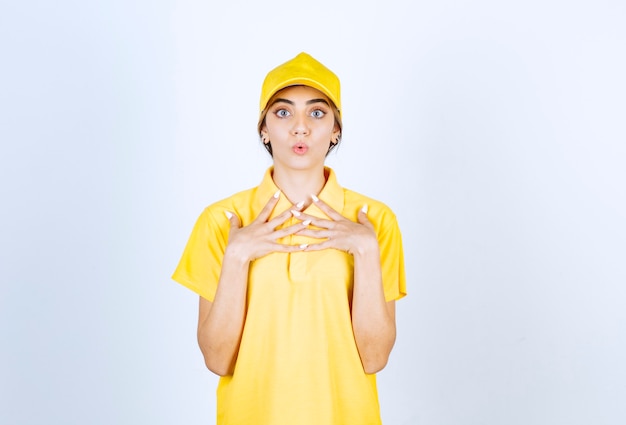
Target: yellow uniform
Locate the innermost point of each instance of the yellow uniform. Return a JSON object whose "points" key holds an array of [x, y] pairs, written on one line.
{"points": [[298, 362]]}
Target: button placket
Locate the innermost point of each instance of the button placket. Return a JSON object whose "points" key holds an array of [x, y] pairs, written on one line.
{"points": [[298, 260]]}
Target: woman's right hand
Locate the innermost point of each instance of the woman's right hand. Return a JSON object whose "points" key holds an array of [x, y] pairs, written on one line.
{"points": [[260, 237]]}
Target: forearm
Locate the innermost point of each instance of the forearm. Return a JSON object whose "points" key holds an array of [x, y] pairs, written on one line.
{"points": [[373, 319], [219, 331]]}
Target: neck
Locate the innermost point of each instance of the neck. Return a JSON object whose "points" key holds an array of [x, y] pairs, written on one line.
{"points": [[298, 185]]}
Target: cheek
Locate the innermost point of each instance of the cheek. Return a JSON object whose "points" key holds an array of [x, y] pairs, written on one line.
{"points": [[329, 131], [275, 129]]}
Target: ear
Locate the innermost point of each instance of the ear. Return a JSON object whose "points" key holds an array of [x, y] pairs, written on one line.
{"points": [[265, 137], [336, 134]]}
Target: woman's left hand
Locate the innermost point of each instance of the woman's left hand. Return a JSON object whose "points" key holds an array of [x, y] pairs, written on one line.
{"points": [[338, 231]]}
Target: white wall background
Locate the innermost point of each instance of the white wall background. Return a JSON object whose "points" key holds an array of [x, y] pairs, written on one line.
{"points": [[495, 130]]}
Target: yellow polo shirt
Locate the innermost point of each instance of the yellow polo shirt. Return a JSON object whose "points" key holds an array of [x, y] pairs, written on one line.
{"points": [[298, 362]]}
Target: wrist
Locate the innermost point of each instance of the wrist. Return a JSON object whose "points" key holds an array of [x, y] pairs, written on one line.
{"points": [[236, 258], [369, 249]]}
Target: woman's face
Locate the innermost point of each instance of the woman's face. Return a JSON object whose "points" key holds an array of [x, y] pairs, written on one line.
{"points": [[300, 125]]}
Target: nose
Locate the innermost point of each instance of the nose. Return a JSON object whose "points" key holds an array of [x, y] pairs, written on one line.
{"points": [[300, 126]]}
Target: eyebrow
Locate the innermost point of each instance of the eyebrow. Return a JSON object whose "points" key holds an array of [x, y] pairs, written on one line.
{"points": [[308, 102]]}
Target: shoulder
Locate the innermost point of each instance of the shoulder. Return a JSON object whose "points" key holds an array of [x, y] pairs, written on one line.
{"points": [[380, 214], [385, 224], [375, 207], [245, 197], [241, 203]]}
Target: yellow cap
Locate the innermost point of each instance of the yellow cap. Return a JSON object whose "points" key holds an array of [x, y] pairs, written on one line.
{"points": [[301, 70]]}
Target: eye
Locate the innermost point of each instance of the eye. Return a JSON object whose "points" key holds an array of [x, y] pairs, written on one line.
{"points": [[318, 113], [282, 113]]}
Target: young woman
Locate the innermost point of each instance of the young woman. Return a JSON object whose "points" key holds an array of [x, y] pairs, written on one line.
{"points": [[297, 277]]}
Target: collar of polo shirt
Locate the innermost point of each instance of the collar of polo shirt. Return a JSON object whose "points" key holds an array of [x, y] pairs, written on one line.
{"points": [[331, 193]]}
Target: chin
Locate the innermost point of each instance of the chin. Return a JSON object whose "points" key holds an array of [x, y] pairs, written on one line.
{"points": [[299, 162]]}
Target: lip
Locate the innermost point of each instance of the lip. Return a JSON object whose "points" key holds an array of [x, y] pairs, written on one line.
{"points": [[300, 148]]}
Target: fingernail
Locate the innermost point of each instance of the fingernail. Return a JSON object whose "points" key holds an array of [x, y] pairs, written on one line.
{"points": [[277, 194], [295, 213], [315, 198], [364, 209], [304, 245], [228, 214], [300, 204], [306, 223]]}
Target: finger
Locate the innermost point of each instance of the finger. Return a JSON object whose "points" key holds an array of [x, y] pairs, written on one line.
{"points": [[319, 246], [233, 219], [326, 209], [316, 221], [279, 247], [289, 230], [268, 208], [298, 206], [281, 218], [317, 234], [285, 215], [362, 216]]}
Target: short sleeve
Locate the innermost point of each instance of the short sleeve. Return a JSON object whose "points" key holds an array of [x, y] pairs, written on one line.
{"points": [[200, 265], [392, 258]]}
